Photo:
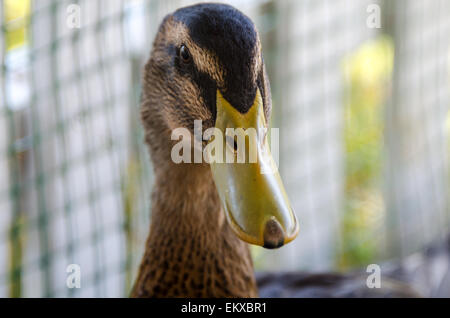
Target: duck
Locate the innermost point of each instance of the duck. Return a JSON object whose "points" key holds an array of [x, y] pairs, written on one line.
{"points": [[207, 65]]}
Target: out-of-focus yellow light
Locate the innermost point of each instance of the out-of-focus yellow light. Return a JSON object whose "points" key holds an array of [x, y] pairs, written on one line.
{"points": [[16, 21], [372, 62]]}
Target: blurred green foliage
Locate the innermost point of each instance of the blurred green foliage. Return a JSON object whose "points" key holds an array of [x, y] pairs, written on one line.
{"points": [[17, 13], [367, 78], [130, 192]]}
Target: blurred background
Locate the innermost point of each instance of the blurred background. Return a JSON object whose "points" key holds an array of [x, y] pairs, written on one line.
{"points": [[362, 105]]}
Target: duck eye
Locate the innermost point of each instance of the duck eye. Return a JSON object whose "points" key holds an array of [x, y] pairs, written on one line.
{"points": [[184, 54]]}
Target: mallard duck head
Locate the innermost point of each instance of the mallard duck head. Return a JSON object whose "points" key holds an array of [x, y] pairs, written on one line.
{"points": [[207, 65]]}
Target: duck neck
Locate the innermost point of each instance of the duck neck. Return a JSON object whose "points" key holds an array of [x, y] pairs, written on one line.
{"points": [[191, 250]]}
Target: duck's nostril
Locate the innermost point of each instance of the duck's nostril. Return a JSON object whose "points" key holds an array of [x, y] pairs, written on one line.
{"points": [[273, 234]]}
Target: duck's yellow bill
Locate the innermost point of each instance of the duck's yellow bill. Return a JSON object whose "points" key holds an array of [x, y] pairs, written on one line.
{"points": [[247, 179]]}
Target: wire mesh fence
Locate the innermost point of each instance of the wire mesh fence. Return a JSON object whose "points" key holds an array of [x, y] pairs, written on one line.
{"points": [[362, 106]]}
